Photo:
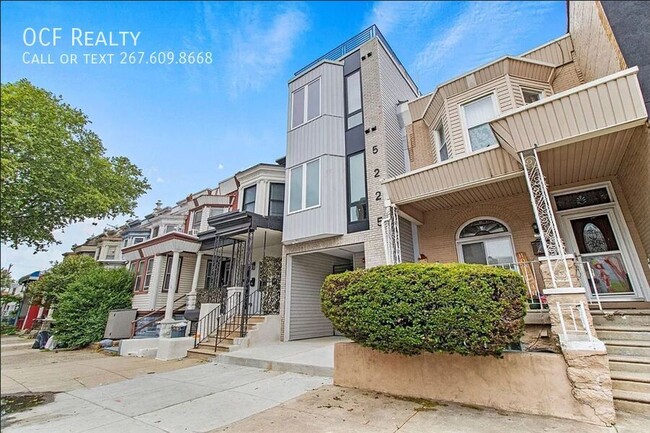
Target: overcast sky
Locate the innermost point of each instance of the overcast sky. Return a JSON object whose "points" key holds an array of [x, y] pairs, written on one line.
{"points": [[190, 126]]}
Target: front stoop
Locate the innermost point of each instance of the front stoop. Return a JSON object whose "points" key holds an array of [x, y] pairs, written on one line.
{"points": [[231, 341], [626, 334]]}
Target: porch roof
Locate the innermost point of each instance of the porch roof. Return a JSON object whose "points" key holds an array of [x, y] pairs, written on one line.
{"points": [[491, 166], [607, 105], [174, 241]]}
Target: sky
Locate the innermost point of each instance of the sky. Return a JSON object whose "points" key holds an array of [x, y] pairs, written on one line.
{"points": [[189, 126]]}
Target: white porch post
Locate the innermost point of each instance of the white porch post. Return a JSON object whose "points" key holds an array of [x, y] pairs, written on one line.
{"points": [[191, 297], [166, 323]]}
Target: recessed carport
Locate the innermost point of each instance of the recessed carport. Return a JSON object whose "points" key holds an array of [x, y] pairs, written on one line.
{"points": [[306, 273]]}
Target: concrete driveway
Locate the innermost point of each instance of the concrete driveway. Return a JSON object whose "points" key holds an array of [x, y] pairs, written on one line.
{"points": [[25, 369]]}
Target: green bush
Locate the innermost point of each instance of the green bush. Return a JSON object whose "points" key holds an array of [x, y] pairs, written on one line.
{"points": [[413, 308], [81, 311]]}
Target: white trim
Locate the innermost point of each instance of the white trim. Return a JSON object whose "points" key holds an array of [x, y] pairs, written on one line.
{"points": [[619, 227], [287, 297], [303, 203], [306, 105], [461, 108], [540, 92], [475, 239]]}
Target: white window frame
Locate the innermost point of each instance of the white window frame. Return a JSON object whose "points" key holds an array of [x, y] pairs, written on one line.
{"points": [[461, 108], [438, 141], [194, 220], [540, 92], [108, 249], [304, 187], [306, 104], [461, 241], [136, 238]]}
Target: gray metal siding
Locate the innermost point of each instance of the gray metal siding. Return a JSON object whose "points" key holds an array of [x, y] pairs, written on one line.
{"points": [[322, 136], [307, 275], [394, 88], [329, 219], [406, 240]]}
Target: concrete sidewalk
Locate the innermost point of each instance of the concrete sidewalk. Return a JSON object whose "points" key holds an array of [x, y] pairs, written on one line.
{"points": [[25, 369], [331, 409], [195, 399], [313, 356]]}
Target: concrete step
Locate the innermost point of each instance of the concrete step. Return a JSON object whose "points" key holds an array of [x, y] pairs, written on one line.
{"points": [[639, 333], [626, 385], [203, 354], [632, 364], [222, 347], [631, 376], [638, 397], [628, 347], [621, 317]]}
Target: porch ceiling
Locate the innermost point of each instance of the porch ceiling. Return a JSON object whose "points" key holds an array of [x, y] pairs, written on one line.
{"points": [[588, 159], [467, 196]]}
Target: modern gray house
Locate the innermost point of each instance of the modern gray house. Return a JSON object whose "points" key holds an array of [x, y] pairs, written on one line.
{"points": [[344, 139]]}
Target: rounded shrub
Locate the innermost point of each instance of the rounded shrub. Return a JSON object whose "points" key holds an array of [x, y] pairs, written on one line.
{"points": [[412, 308]]}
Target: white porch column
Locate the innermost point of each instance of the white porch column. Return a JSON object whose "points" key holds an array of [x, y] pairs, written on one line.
{"points": [[191, 297], [168, 321]]}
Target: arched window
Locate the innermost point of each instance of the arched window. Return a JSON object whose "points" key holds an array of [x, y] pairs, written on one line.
{"points": [[485, 241]]}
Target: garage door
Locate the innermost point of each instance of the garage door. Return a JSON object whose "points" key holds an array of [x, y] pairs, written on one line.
{"points": [[308, 272]]}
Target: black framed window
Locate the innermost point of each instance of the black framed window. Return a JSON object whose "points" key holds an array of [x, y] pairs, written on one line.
{"points": [[248, 203], [357, 192], [276, 199], [354, 113]]}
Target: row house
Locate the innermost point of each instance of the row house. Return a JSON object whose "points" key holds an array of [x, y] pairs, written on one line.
{"points": [[207, 248]]}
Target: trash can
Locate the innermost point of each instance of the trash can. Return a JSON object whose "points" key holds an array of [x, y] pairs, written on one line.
{"points": [[178, 330]]}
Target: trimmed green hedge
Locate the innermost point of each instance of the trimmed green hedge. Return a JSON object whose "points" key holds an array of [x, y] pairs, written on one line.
{"points": [[413, 308]]}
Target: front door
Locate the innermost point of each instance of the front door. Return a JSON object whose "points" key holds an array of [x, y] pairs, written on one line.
{"points": [[599, 248]]}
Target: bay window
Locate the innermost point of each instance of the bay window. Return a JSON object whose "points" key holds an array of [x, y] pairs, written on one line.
{"points": [[276, 199], [196, 220], [248, 203], [477, 115]]}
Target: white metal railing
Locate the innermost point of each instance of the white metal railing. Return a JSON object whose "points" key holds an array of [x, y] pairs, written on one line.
{"points": [[574, 323], [390, 233], [532, 276], [586, 272]]}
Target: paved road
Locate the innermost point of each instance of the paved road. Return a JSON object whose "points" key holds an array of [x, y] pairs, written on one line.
{"points": [[24, 369]]}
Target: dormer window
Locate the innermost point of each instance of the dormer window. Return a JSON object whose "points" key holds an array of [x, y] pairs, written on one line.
{"points": [[248, 204], [477, 114]]}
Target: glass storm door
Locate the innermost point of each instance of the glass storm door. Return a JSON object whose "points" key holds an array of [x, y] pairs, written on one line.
{"points": [[597, 245]]}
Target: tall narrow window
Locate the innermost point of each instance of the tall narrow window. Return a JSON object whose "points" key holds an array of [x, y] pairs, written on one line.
{"points": [[249, 199], [276, 199], [441, 143], [357, 196], [304, 186], [295, 189], [147, 275], [168, 273], [155, 231], [305, 103], [477, 115], [354, 114], [196, 220], [139, 269]]}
